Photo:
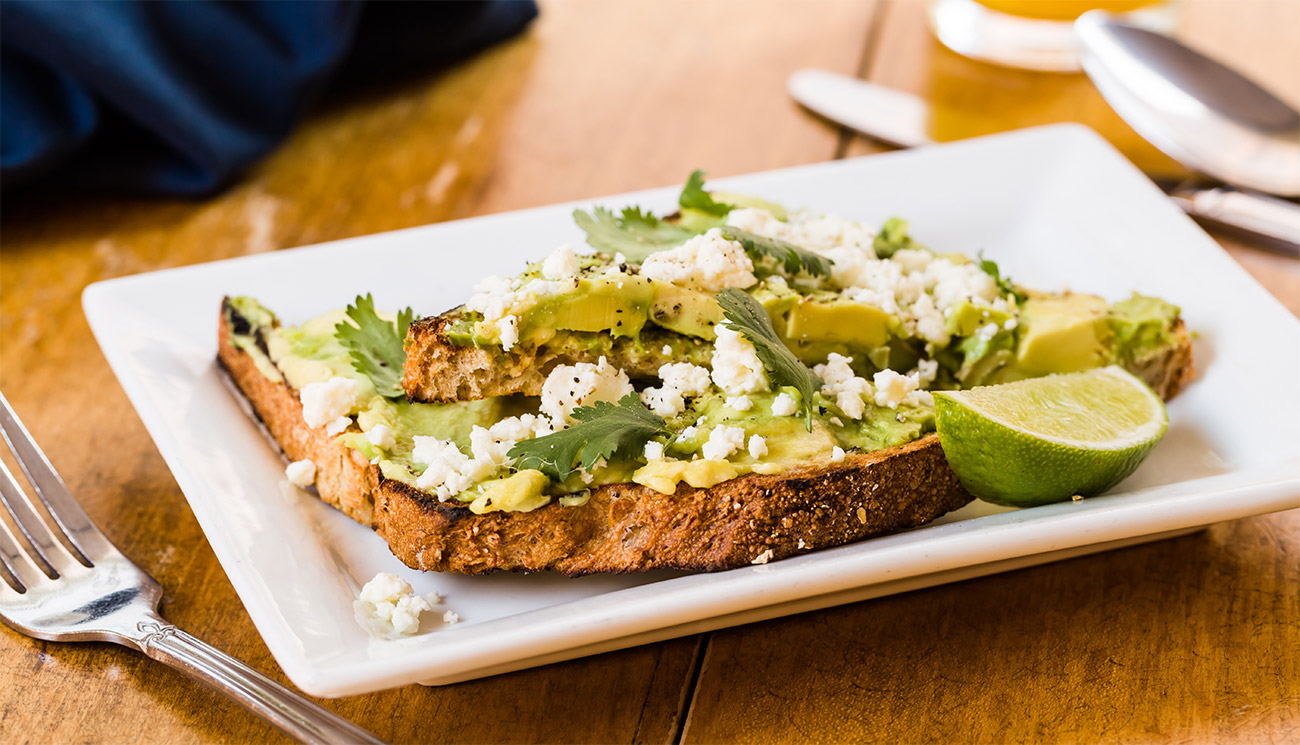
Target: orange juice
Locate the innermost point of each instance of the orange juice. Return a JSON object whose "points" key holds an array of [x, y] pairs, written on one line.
{"points": [[1062, 10]]}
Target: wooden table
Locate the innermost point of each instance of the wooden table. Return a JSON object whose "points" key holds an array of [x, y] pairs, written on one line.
{"points": [[1191, 639]]}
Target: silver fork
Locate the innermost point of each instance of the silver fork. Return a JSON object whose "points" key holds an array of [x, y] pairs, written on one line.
{"points": [[66, 582]]}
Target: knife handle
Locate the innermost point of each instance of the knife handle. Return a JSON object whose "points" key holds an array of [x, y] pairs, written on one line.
{"points": [[1275, 222]]}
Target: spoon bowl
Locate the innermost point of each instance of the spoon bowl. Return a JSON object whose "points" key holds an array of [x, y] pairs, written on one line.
{"points": [[1193, 108]]}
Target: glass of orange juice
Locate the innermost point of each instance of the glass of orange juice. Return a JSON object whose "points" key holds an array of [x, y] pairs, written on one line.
{"points": [[1033, 34]]}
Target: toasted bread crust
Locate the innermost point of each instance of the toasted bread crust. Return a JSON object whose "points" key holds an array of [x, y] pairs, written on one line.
{"points": [[629, 527], [438, 371], [1169, 369], [343, 478]]}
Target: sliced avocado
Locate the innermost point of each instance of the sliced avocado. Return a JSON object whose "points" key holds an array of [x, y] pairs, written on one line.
{"points": [[1141, 323], [846, 321], [965, 318], [1062, 333], [745, 200], [685, 311], [698, 220], [621, 308]]}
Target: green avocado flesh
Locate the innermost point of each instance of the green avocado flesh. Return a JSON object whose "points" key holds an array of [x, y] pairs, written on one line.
{"points": [[629, 318]]}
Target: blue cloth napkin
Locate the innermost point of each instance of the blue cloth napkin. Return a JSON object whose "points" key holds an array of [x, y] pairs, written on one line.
{"points": [[179, 97]]}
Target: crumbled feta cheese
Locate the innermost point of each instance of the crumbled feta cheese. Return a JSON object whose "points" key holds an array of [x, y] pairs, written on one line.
{"points": [[757, 446], [680, 381], [836, 421], [927, 321], [739, 403], [951, 283], [755, 220], [912, 260], [667, 350], [619, 258], [723, 441], [654, 451], [492, 444], [986, 332], [837, 454], [687, 433], [561, 264], [784, 405], [450, 617], [492, 296], [301, 473], [338, 425], [925, 372], [892, 388], [840, 382], [821, 233], [706, 262], [389, 600], [1010, 324], [736, 367], [381, 437], [323, 403], [508, 331], [449, 471], [582, 384]]}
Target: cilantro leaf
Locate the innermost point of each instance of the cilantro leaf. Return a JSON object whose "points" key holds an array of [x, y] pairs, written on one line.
{"points": [[604, 430], [893, 237], [751, 320], [375, 345], [990, 267], [792, 258], [634, 233], [696, 198]]}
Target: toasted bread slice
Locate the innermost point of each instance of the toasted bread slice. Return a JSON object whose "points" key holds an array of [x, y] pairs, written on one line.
{"points": [[629, 527], [622, 527]]}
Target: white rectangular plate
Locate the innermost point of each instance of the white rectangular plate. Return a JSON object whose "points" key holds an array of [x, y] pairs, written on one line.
{"points": [[1055, 206]]}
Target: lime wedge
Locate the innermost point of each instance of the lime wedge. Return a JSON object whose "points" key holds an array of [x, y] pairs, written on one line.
{"points": [[1047, 439]]}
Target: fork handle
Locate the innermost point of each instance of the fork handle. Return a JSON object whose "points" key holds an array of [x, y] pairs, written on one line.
{"points": [[291, 712]]}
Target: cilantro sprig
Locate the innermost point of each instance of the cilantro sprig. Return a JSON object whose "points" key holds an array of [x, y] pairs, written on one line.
{"points": [[792, 258], [375, 345], [783, 368], [990, 267], [634, 233], [604, 430], [694, 197]]}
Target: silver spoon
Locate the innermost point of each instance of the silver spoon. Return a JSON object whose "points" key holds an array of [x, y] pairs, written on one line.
{"points": [[1200, 113]]}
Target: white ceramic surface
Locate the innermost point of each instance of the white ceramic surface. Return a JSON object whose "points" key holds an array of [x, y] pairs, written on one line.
{"points": [[1056, 207]]}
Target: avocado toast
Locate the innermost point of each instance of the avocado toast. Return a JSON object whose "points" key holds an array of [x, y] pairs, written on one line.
{"points": [[729, 395]]}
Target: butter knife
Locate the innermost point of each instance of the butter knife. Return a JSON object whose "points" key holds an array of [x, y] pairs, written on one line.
{"points": [[899, 119]]}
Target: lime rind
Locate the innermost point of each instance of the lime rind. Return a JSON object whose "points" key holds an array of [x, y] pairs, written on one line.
{"points": [[1002, 451]]}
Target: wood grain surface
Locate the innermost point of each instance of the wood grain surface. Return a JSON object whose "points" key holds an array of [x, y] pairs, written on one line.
{"points": [[1192, 639]]}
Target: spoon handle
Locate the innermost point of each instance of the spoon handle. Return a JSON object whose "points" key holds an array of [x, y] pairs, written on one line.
{"points": [[1275, 222]]}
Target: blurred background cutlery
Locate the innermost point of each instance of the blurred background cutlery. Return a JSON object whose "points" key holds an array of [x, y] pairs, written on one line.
{"points": [[1242, 135]]}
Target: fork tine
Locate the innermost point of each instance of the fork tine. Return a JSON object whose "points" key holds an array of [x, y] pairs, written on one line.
{"points": [[44, 551], [86, 542], [15, 563]]}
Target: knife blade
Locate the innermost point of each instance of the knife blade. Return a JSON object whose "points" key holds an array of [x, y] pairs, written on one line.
{"points": [[900, 119]]}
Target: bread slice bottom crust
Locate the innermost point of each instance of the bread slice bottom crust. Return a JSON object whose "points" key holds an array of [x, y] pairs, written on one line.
{"points": [[622, 527]]}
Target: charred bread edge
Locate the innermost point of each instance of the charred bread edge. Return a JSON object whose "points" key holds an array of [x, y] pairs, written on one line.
{"points": [[622, 527]]}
